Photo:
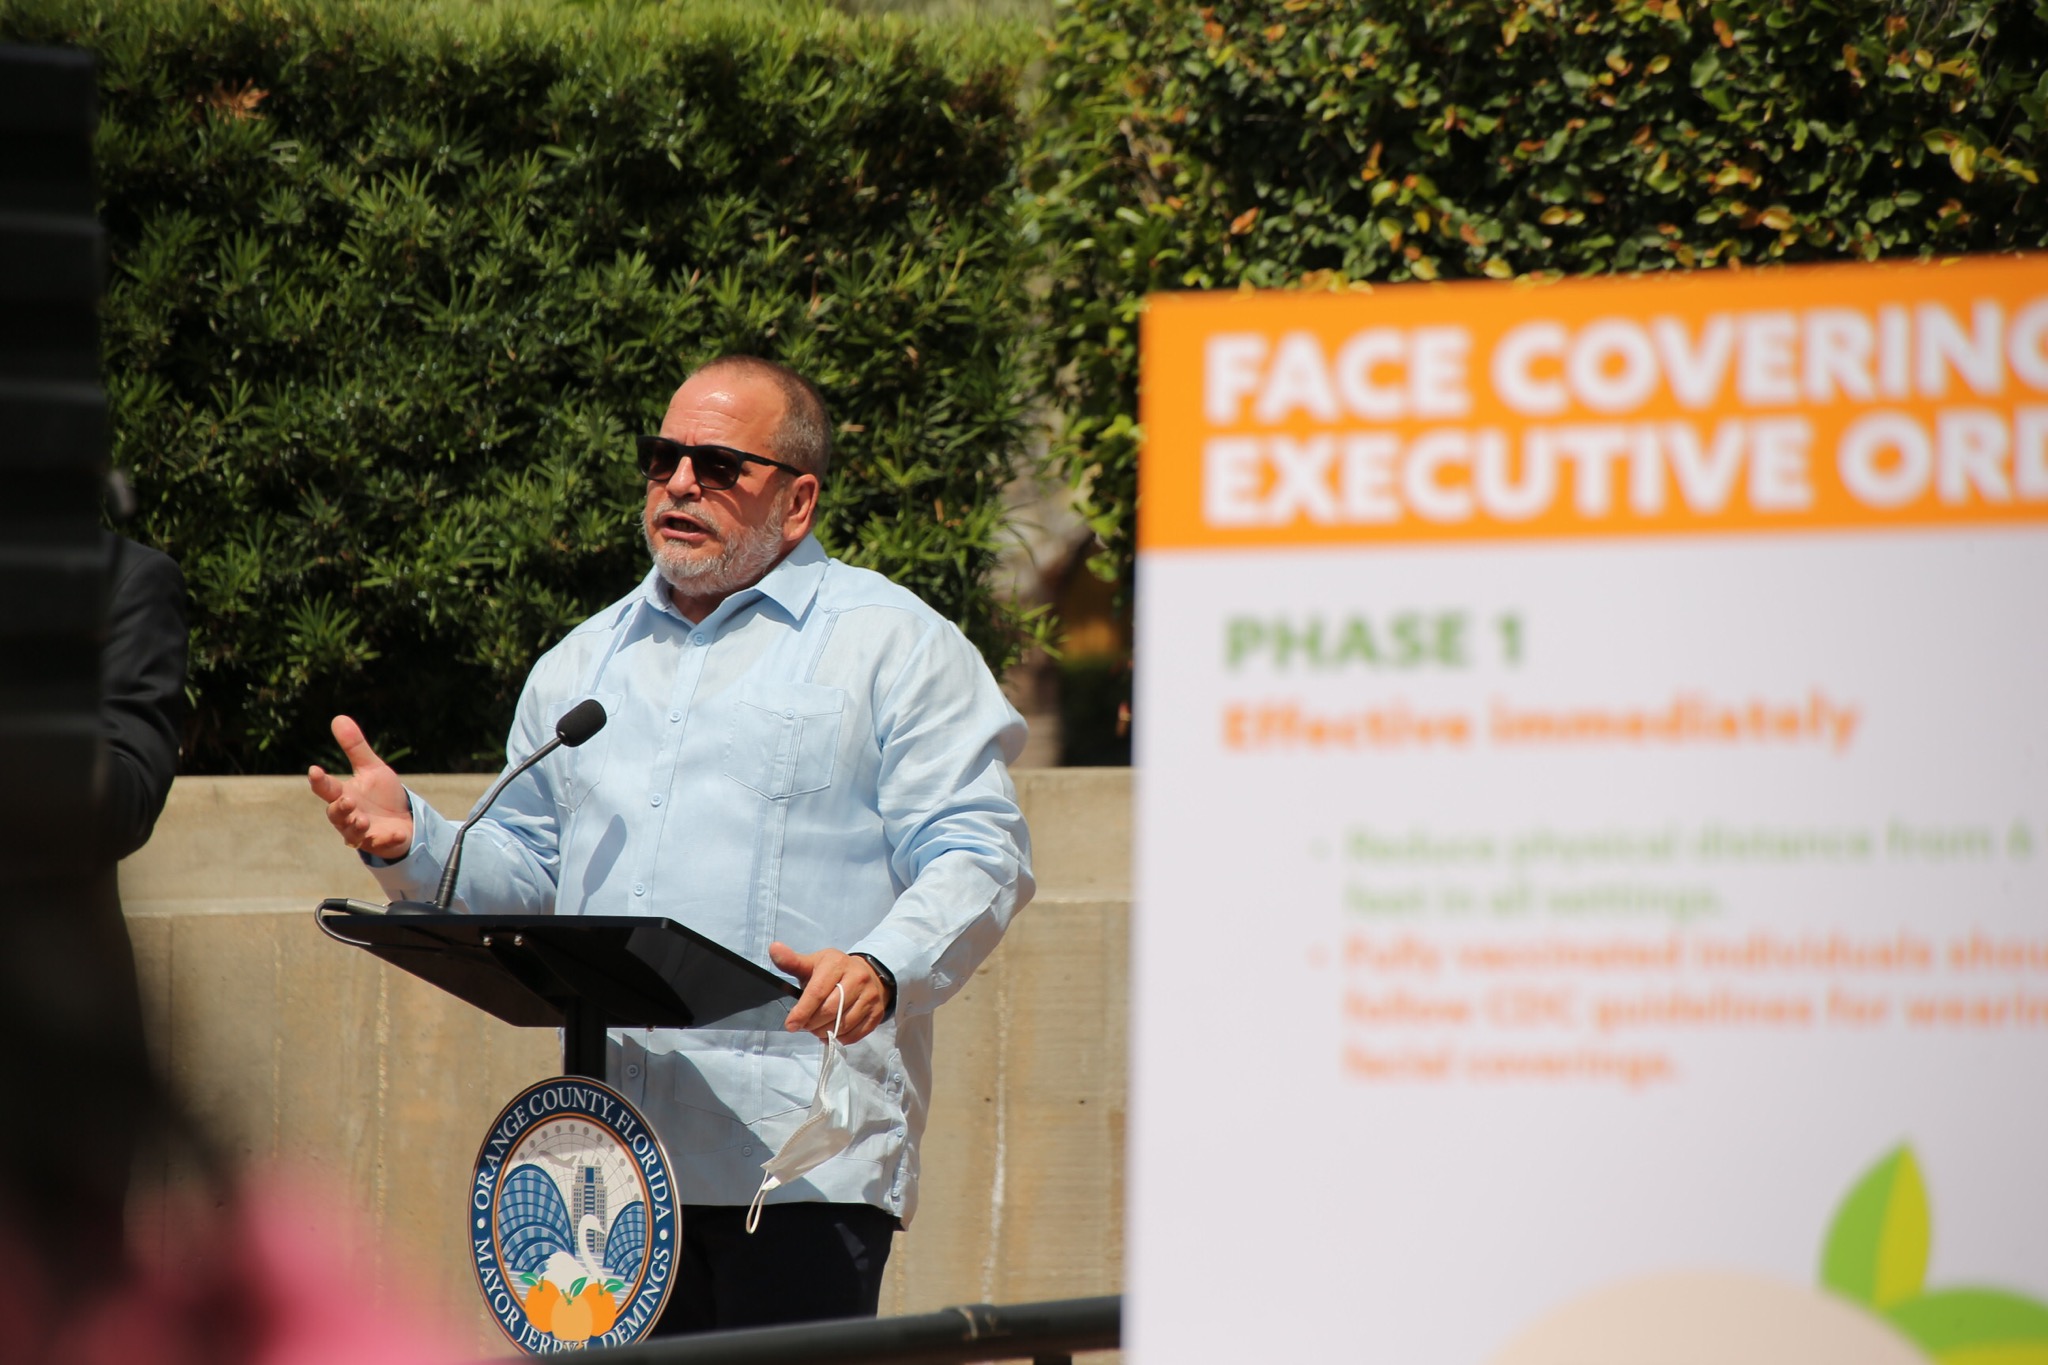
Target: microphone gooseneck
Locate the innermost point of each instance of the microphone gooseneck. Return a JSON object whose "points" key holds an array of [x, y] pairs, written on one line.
{"points": [[577, 724]]}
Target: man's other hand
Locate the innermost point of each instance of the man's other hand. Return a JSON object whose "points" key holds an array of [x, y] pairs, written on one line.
{"points": [[867, 999], [369, 807]]}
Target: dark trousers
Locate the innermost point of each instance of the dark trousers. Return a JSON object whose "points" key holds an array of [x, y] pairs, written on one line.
{"points": [[803, 1263]]}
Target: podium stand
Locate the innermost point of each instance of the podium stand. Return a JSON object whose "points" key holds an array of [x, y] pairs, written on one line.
{"points": [[583, 974]]}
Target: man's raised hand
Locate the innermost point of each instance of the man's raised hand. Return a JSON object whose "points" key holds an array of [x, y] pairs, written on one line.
{"points": [[369, 807]]}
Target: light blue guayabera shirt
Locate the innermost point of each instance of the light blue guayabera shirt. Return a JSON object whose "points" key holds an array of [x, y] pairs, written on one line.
{"points": [[820, 761]]}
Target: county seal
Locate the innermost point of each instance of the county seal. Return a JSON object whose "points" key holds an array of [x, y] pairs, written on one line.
{"points": [[573, 1220]]}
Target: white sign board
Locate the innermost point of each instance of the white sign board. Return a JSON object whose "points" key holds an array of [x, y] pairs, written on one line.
{"points": [[1592, 874]]}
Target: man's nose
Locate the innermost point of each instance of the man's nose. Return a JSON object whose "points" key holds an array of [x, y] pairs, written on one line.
{"points": [[684, 480]]}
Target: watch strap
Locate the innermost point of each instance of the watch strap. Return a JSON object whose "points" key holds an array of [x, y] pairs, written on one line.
{"points": [[881, 970]]}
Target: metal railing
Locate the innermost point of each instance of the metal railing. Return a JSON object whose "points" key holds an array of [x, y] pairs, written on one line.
{"points": [[1045, 1333]]}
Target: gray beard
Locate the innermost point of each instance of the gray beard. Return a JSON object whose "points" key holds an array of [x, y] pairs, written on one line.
{"points": [[743, 559]]}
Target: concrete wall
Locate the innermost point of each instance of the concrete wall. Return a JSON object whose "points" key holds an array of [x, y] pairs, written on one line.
{"points": [[300, 1051]]}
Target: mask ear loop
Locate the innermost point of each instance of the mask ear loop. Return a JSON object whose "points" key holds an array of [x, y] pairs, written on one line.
{"points": [[770, 1182]]}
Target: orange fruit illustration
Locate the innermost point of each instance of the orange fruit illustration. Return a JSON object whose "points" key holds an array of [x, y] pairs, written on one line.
{"points": [[604, 1310], [573, 1319], [541, 1302]]}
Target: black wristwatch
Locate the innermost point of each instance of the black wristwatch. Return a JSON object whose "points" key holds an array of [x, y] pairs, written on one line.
{"points": [[888, 977]]}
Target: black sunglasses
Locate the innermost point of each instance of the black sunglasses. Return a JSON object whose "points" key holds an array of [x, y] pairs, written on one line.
{"points": [[716, 467]]}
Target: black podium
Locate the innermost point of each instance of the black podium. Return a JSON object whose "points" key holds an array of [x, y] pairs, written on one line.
{"points": [[582, 974]]}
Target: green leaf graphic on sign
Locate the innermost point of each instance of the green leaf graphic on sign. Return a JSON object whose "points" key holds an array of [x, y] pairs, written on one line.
{"points": [[1975, 1326], [1876, 1251]]}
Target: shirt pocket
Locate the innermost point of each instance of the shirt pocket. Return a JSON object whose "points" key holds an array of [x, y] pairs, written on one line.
{"points": [[582, 767], [784, 739], [698, 1118], [707, 1111]]}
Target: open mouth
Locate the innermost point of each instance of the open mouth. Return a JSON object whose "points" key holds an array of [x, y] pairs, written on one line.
{"points": [[684, 527]]}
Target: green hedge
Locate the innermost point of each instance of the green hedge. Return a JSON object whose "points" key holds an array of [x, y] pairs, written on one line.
{"points": [[393, 285], [1322, 144]]}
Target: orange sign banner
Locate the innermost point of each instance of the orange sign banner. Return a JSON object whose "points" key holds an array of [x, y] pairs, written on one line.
{"points": [[1794, 399]]}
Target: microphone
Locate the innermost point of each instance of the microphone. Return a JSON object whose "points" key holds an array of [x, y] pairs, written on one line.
{"points": [[577, 724]]}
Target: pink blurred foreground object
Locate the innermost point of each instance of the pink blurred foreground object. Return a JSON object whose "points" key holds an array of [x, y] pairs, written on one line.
{"points": [[271, 1278]]}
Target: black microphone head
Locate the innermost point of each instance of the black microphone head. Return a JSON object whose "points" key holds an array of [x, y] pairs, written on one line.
{"points": [[580, 722]]}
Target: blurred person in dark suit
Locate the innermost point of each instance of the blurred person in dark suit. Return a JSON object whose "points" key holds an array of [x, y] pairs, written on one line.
{"points": [[70, 1011], [142, 694], [251, 1269]]}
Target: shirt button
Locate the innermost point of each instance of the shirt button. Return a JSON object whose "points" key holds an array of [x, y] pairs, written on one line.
{"points": [[674, 717], [654, 800], [746, 1151], [633, 1069], [639, 888], [788, 714], [698, 638]]}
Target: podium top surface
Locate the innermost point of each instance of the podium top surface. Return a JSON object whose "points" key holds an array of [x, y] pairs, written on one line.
{"points": [[536, 970]]}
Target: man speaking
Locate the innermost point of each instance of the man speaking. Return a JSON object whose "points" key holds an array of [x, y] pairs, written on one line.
{"points": [[803, 762]]}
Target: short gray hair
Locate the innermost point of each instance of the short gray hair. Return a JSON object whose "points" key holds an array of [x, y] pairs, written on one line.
{"points": [[804, 437]]}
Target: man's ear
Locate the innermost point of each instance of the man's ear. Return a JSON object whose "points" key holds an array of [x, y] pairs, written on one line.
{"points": [[802, 511]]}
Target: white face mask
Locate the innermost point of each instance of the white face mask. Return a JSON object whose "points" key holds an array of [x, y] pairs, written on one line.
{"points": [[846, 1105]]}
